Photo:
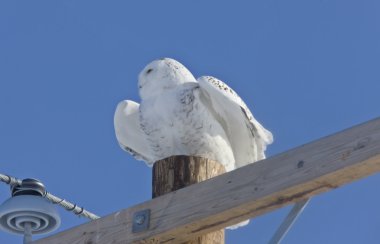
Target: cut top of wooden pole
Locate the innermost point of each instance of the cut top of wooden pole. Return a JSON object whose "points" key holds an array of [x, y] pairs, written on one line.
{"points": [[176, 172]]}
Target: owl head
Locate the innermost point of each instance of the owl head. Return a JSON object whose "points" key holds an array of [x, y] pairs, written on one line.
{"points": [[160, 75]]}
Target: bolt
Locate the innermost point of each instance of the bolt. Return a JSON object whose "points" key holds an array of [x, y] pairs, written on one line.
{"points": [[140, 219], [300, 164]]}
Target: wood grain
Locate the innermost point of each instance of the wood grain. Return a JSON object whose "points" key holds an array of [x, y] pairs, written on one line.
{"points": [[176, 172], [255, 189]]}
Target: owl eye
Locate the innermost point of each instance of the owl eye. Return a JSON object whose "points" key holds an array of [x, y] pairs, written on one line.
{"points": [[149, 70]]}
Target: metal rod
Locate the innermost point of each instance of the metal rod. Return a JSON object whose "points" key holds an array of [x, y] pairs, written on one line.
{"points": [[289, 221], [27, 233], [80, 211]]}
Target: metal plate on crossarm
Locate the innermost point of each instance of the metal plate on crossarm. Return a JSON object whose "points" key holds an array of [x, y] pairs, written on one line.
{"points": [[141, 221]]}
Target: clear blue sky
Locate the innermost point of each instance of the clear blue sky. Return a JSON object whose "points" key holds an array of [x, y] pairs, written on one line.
{"points": [[306, 69]]}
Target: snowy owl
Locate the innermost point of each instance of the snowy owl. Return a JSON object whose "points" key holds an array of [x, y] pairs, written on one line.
{"points": [[181, 115]]}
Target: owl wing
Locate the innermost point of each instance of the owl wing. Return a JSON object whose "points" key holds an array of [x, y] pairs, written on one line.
{"points": [[128, 132], [248, 138]]}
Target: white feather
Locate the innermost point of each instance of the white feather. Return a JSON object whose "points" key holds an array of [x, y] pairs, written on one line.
{"points": [[128, 133], [248, 138]]}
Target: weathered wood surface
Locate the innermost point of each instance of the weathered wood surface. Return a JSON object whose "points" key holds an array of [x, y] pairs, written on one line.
{"points": [[244, 193], [177, 172]]}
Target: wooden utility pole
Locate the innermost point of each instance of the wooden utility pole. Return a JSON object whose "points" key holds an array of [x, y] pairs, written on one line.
{"points": [[176, 172]]}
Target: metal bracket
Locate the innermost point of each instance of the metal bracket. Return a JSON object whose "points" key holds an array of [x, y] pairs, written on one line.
{"points": [[141, 221], [289, 221]]}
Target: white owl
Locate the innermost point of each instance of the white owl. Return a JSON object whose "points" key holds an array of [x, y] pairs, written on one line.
{"points": [[181, 115]]}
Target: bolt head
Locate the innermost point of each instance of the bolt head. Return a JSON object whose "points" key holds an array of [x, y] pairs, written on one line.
{"points": [[140, 219]]}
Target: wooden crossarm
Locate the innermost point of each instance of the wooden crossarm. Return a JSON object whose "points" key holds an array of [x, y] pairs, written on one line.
{"points": [[302, 172]]}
